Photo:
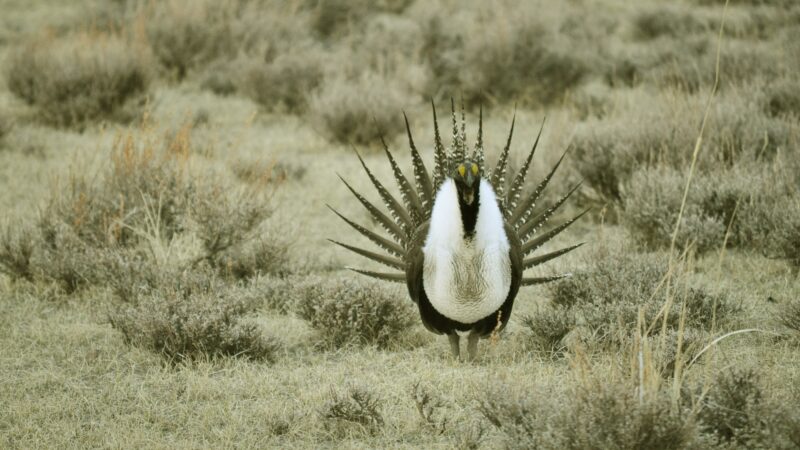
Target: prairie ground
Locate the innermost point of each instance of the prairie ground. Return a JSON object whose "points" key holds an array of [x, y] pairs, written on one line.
{"points": [[166, 278]]}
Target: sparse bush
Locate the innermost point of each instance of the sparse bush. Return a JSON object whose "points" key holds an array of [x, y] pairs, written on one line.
{"points": [[508, 53], [16, 248], [608, 415], [224, 220], [222, 77], [662, 137], [359, 111], [357, 405], [104, 229], [336, 17], [731, 411], [430, 406], [665, 21], [652, 206], [265, 254], [5, 128], [191, 315], [258, 172], [285, 83], [348, 313], [63, 256], [606, 298], [77, 79], [185, 34], [783, 98], [548, 328], [763, 198], [278, 293], [607, 152], [789, 316], [692, 341], [530, 66]]}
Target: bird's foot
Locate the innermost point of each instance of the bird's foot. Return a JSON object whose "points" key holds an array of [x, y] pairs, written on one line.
{"points": [[472, 347], [454, 345]]}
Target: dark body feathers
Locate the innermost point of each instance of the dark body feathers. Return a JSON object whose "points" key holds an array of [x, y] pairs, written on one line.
{"points": [[408, 223]]}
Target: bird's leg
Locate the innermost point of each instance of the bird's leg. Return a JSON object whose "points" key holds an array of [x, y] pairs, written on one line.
{"points": [[472, 346], [454, 344]]}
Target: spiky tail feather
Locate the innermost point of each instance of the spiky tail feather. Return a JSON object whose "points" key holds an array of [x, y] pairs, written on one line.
{"points": [[417, 200]]}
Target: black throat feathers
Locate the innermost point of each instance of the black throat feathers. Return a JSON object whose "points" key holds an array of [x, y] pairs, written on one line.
{"points": [[469, 213]]}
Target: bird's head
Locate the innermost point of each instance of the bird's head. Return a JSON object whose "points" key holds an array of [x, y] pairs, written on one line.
{"points": [[467, 175]]}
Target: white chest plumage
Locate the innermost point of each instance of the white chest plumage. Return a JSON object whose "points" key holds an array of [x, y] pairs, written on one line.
{"points": [[466, 279]]}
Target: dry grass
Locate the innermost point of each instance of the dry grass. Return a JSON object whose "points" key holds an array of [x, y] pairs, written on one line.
{"points": [[176, 289]]}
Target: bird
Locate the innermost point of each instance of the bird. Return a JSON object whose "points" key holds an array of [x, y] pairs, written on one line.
{"points": [[460, 237]]}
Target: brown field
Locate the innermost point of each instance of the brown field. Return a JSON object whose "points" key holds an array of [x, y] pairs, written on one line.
{"points": [[166, 279]]}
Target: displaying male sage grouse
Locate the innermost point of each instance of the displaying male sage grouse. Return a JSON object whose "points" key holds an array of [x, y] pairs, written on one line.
{"points": [[460, 239]]}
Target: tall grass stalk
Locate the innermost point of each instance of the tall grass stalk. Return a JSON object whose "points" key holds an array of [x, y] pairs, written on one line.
{"points": [[669, 296]]}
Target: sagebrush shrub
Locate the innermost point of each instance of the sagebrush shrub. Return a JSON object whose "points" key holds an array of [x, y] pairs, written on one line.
{"points": [[61, 255], [789, 316], [548, 328], [266, 254], [16, 249], [185, 34], [360, 110], [77, 79], [285, 83], [782, 98], [430, 406], [349, 313], [608, 151], [605, 299], [662, 136], [651, 211], [732, 410], [530, 66], [498, 55], [775, 226], [756, 204], [5, 127], [356, 405], [331, 18], [665, 21], [607, 415], [141, 209], [224, 219], [191, 315]]}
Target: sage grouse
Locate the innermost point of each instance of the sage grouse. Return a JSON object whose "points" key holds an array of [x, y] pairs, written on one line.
{"points": [[460, 239]]}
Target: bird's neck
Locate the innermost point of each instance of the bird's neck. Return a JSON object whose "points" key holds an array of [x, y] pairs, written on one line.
{"points": [[469, 213]]}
